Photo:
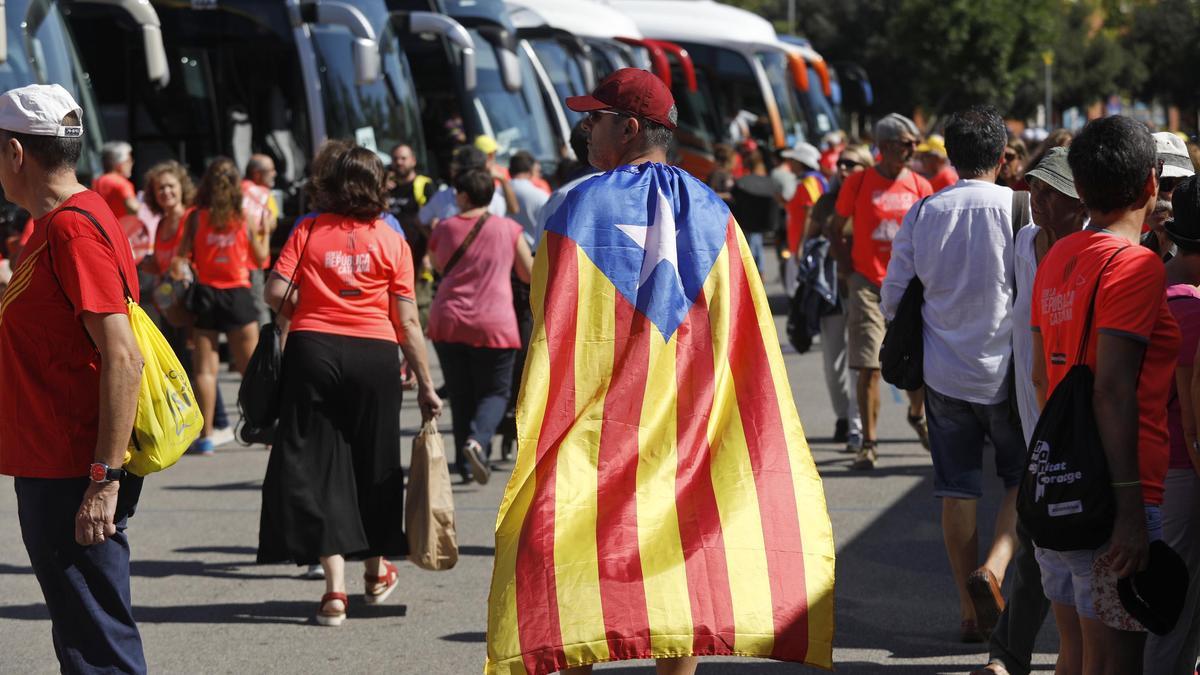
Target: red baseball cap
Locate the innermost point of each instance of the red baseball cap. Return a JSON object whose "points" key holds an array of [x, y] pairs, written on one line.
{"points": [[630, 90]]}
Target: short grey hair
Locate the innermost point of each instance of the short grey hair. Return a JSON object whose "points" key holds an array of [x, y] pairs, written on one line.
{"points": [[113, 153], [659, 135]]}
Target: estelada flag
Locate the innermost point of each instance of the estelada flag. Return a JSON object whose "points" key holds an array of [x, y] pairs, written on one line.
{"points": [[664, 501]]}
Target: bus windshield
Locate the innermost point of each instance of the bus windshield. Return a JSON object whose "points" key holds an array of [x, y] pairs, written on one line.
{"points": [[776, 66], [54, 60], [516, 119], [377, 115], [563, 70], [822, 117]]}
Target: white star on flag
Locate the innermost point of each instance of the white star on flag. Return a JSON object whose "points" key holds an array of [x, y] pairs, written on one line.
{"points": [[657, 239]]}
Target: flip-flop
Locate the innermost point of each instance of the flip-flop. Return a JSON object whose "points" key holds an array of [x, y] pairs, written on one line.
{"points": [[390, 577]]}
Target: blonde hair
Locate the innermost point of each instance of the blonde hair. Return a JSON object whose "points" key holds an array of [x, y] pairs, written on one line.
{"points": [[187, 189]]}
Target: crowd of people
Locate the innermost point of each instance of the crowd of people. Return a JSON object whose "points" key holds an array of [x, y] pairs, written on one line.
{"points": [[1084, 251]]}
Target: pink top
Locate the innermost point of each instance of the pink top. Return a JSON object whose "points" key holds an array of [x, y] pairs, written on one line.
{"points": [[1184, 302], [474, 303]]}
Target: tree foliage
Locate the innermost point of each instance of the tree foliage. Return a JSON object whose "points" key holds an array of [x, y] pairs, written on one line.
{"points": [[941, 55]]}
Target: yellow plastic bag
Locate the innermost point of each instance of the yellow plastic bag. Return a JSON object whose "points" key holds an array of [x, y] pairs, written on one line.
{"points": [[168, 415]]}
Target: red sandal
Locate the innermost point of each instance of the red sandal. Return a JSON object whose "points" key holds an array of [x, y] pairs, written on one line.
{"points": [[328, 617], [390, 577]]}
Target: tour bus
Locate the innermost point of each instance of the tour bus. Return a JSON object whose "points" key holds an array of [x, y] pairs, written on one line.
{"points": [[813, 80], [846, 88], [744, 74], [275, 77], [510, 101], [37, 47]]}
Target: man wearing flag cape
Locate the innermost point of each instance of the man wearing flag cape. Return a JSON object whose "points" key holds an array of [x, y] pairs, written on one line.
{"points": [[664, 503]]}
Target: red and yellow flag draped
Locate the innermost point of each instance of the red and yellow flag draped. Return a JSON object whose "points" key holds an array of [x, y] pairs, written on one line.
{"points": [[664, 501]]}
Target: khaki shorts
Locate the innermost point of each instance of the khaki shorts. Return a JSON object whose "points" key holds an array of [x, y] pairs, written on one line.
{"points": [[864, 323]]}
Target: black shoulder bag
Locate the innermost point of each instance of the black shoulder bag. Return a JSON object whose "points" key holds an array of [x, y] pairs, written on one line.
{"points": [[1065, 499], [258, 394], [902, 355]]}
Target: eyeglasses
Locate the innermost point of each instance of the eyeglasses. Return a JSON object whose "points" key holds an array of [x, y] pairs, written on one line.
{"points": [[594, 116]]}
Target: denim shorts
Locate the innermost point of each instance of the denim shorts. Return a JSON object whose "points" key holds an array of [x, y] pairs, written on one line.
{"points": [[957, 432], [1067, 575]]}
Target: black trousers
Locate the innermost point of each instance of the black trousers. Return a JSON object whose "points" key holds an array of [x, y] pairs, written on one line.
{"points": [[479, 380], [334, 484], [86, 587]]}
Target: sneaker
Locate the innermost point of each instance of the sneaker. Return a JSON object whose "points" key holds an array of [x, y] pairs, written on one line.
{"points": [[854, 442], [480, 470], [202, 447], [920, 426], [313, 572], [221, 436], [866, 457], [840, 430]]}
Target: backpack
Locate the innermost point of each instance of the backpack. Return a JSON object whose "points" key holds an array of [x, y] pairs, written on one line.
{"points": [[1065, 499], [168, 417], [902, 354]]}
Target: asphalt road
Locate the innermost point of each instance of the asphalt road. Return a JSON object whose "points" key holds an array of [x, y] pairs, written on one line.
{"points": [[205, 607]]}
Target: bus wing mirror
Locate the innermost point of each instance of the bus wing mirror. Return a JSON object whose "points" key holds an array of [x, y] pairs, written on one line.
{"points": [[368, 65], [146, 18], [440, 24]]}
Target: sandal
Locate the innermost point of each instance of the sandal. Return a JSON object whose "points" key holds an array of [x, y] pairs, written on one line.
{"points": [[389, 579], [326, 617]]}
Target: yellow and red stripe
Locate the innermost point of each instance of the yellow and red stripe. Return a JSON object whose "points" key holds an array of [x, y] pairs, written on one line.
{"points": [[648, 471]]}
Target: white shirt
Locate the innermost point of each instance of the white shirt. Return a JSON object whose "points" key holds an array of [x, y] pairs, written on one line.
{"points": [[443, 205], [1022, 335], [531, 199], [962, 250]]}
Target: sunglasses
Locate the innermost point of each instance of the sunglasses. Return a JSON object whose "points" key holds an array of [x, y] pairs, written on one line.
{"points": [[911, 143], [1010, 156], [595, 116], [1158, 170], [848, 164]]}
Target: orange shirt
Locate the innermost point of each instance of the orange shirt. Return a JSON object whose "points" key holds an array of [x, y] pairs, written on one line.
{"points": [[877, 205], [944, 178], [1130, 302], [165, 249], [114, 189], [349, 274], [221, 257]]}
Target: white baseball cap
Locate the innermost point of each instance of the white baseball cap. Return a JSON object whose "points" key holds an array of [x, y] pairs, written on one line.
{"points": [[38, 110], [805, 153], [1173, 152]]}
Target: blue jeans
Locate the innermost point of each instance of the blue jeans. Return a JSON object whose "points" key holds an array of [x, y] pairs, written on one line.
{"points": [[478, 380], [755, 241], [957, 430], [86, 587]]}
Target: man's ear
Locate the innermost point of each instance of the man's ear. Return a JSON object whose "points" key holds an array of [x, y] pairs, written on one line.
{"points": [[14, 154], [1150, 189], [632, 126]]}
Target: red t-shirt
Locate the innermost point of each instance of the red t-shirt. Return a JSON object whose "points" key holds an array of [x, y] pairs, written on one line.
{"points": [[221, 257], [474, 303], [877, 205], [1184, 301], [944, 178], [114, 189], [49, 368], [348, 276], [256, 208], [1131, 302]]}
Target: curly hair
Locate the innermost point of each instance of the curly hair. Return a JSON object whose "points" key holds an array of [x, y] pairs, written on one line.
{"points": [[187, 190], [221, 193], [349, 180]]}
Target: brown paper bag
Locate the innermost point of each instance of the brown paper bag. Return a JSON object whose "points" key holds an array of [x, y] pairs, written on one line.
{"points": [[429, 504]]}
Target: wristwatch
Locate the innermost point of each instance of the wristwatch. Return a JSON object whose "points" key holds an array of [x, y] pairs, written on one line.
{"points": [[101, 473]]}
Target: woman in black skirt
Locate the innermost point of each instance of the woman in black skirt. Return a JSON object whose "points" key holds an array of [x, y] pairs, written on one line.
{"points": [[334, 487]]}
